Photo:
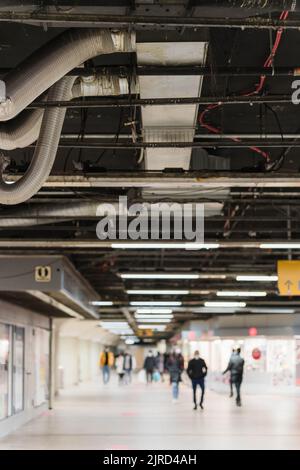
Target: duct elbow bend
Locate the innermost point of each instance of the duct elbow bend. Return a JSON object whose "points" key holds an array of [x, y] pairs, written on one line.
{"points": [[54, 60], [45, 151]]}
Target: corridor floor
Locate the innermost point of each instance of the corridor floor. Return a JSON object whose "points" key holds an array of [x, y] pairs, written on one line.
{"points": [[138, 416]]}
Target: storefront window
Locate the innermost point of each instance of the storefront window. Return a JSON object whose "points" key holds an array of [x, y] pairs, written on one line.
{"points": [[18, 369], [5, 346]]}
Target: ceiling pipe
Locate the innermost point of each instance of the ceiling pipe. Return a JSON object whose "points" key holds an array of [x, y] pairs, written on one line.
{"points": [[47, 68], [54, 60], [24, 130]]}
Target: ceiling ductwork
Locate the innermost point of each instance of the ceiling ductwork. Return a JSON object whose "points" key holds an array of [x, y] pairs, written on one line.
{"points": [[54, 60], [25, 128], [41, 71]]}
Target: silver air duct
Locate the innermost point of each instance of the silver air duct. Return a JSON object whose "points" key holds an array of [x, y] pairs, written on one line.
{"points": [[40, 71], [45, 150], [54, 60], [25, 128]]}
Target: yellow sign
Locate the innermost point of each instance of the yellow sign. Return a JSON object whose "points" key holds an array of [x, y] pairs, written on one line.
{"points": [[147, 332], [288, 277]]}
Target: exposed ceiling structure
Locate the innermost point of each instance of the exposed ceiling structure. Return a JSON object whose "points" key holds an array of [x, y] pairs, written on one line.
{"points": [[191, 102]]}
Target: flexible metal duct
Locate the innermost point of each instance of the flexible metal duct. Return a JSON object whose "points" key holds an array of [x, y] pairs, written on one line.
{"points": [[41, 70], [45, 151], [42, 214], [24, 129], [54, 60], [21, 131]]}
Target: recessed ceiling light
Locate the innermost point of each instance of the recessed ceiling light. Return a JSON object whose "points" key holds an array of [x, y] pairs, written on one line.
{"points": [[225, 304], [157, 292], [102, 303], [225, 293], [159, 276], [153, 303]]}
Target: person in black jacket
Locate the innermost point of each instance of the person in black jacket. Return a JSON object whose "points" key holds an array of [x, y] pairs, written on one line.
{"points": [[149, 366], [236, 368], [197, 370], [175, 367]]}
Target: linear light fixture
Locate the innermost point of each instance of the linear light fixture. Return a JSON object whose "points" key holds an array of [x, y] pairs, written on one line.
{"points": [[154, 320], [157, 292], [166, 245], [152, 327], [154, 317], [102, 303], [281, 246], [159, 276], [225, 304], [154, 310], [227, 293], [257, 278], [150, 303]]}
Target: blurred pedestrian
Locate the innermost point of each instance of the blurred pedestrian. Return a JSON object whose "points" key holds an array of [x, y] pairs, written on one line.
{"points": [[149, 366], [236, 369], [120, 367], [129, 366], [175, 366], [106, 363], [160, 365], [197, 371]]}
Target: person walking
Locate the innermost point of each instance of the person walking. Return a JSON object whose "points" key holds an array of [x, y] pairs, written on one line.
{"points": [[160, 365], [230, 378], [129, 366], [197, 371], [175, 367], [106, 363], [120, 367], [236, 369], [149, 366]]}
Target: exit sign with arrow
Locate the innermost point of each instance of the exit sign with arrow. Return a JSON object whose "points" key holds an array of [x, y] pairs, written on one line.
{"points": [[288, 277]]}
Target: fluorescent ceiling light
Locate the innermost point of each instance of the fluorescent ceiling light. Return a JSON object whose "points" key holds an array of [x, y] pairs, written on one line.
{"points": [[159, 276], [212, 276], [157, 292], [159, 302], [153, 316], [102, 303], [257, 277], [152, 327], [280, 246], [154, 310], [154, 320], [225, 304], [227, 293], [166, 245]]}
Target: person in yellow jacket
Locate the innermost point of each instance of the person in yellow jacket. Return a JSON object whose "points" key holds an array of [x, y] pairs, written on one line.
{"points": [[107, 360]]}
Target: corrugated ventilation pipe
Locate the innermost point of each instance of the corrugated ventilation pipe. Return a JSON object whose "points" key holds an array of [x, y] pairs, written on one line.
{"points": [[42, 70], [25, 128]]}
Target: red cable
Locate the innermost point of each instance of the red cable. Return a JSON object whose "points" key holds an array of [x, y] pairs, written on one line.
{"points": [[268, 63]]}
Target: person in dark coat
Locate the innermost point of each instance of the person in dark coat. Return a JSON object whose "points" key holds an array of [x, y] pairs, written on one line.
{"points": [[175, 366], [149, 366], [197, 370], [236, 369]]}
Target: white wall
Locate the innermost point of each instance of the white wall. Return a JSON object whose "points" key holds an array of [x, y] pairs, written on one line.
{"points": [[15, 315]]}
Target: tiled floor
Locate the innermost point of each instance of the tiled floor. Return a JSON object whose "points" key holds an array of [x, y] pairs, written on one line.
{"points": [[143, 417]]}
